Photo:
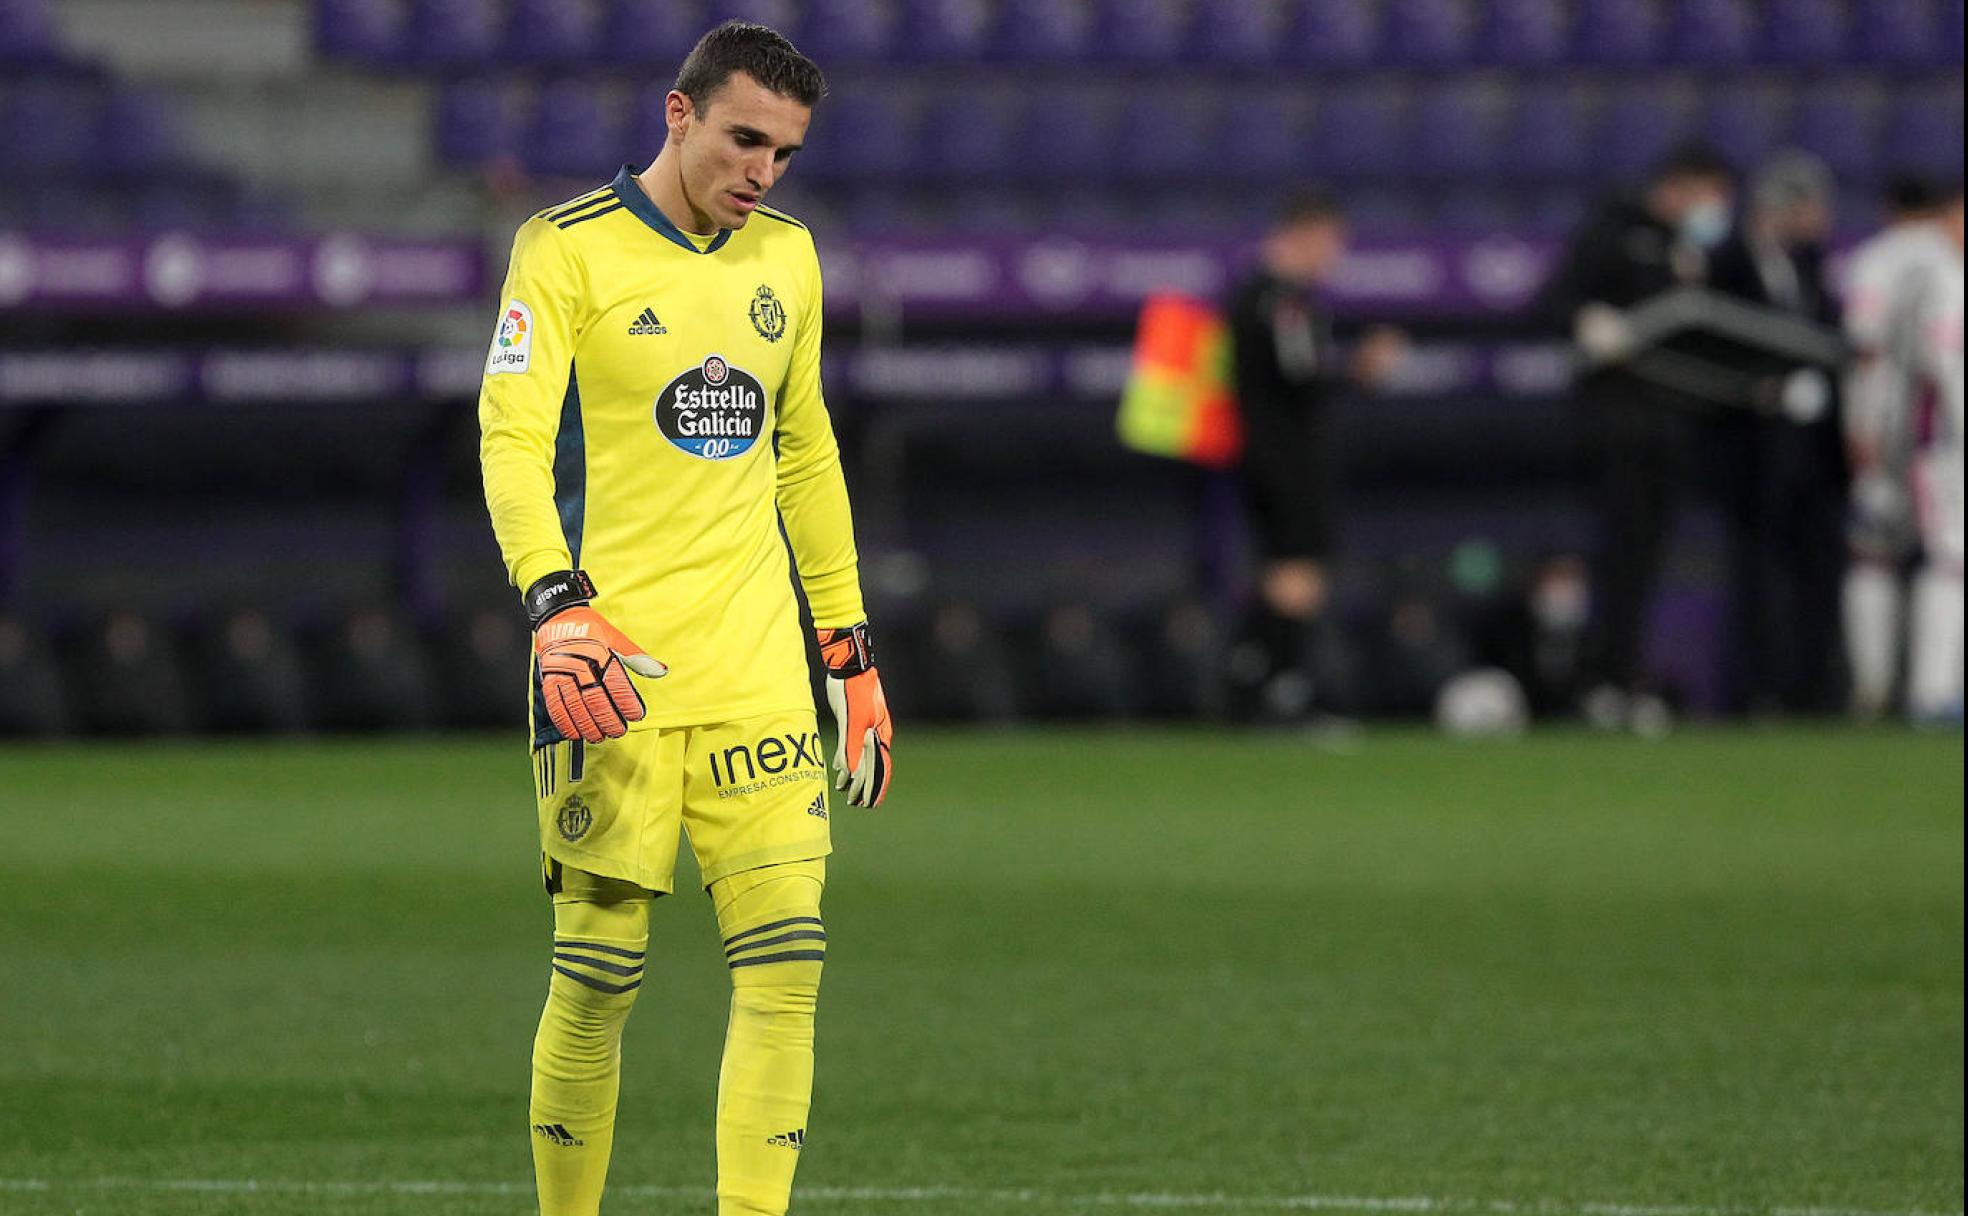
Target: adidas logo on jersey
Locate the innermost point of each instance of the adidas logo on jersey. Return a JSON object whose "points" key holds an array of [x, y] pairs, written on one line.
{"points": [[647, 324], [818, 809], [793, 1140]]}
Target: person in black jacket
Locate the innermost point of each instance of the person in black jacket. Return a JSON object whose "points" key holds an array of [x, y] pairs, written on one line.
{"points": [[1637, 431], [1781, 458], [1286, 367]]}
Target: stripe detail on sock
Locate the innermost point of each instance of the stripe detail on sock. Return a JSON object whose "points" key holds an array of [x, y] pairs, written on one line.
{"points": [[798, 935], [598, 985], [789, 956], [767, 928], [611, 968], [564, 943]]}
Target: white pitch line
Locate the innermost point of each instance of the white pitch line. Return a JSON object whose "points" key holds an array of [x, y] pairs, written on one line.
{"points": [[942, 1194]]}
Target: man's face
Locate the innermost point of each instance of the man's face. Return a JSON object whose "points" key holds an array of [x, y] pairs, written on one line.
{"points": [[735, 147], [1677, 196], [1306, 251]]}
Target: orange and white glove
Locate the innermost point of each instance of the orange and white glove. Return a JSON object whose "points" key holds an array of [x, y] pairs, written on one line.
{"points": [[862, 759], [584, 662]]}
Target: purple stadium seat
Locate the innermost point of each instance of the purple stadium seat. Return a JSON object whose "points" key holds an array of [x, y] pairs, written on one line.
{"points": [[1617, 33], [474, 122], [1924, 132], [163, 204], [645, 127], [1523, 32], [1165, 139], [781, 15], [863, 138], [1389, 212], [451, 33], [27, 33], [1837, 124], [1711, 32], [572, 133], [137, 134], [1359, 135], [1264, 139], [1636, 129], [1743, 123], [555, 33], [967, 137], [946, 31], [1805, 32], [650, 33], [1545, 136], [1896, 32], [1067, 137], [1556, 212], [358, 31], [1470, 210], [1139, 31], [1454, 133], [1044, 31], [849, 31], [50, 125], [1429, 33], [1333, 33], [1954, 29], [1237, 32]]}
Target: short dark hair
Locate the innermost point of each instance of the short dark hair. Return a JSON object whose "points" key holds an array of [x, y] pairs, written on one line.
{"points": [[1909, 193], [1694, 160], [1309, 206], [756, 50]]}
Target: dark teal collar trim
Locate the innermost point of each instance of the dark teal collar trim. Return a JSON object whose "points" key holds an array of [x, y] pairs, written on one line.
{"points": [[640, 206]]}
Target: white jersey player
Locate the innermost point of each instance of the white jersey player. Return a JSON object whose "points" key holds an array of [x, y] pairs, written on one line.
{"points": [[1888, 279], [1934, 659]]}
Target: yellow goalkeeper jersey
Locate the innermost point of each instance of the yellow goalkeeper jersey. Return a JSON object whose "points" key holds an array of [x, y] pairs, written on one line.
{"points": [[651, 412]]}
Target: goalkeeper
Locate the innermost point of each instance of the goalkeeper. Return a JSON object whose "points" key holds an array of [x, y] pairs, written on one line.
{"points": [[651, 414]]}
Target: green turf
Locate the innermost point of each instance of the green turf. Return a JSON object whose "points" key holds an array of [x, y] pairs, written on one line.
{"points": [[1722, 971]]}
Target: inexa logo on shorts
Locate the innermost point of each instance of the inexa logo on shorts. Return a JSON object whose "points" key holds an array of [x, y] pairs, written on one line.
{"points": [[714, 410]]}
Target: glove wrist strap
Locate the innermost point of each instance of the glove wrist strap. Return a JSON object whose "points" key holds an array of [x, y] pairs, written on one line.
{"points": [[555, 593], [847, 652]]}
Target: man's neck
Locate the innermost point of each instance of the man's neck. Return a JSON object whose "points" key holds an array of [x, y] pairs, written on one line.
{"points": [[662, 181]]}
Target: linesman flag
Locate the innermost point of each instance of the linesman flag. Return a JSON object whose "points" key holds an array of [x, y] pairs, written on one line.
{"points": [[1179, 401]]}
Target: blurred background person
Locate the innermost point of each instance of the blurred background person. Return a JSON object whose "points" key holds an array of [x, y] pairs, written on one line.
{"points": [[1934, 682], [1286, 367], [1637, 432], [1782, 477], [1888, 280]]}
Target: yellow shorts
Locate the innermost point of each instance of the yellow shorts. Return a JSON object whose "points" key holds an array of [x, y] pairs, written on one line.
{"points": [[749, 793]]}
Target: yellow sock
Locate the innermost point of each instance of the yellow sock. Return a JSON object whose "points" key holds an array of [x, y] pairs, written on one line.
{"points": [[599, 950], [775, 944]]}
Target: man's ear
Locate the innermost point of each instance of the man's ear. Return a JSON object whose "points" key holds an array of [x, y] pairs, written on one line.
{"points": [[678, 110]]}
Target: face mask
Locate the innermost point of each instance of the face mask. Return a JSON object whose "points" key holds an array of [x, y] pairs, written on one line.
{"points": [[1705, 225]]}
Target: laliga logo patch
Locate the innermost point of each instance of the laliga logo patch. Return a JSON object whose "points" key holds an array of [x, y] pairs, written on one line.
{"points": [[714, 411], [512, 347]]}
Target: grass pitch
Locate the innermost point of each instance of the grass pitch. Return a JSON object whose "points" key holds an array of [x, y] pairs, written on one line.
{"points": [[1068, 972]]}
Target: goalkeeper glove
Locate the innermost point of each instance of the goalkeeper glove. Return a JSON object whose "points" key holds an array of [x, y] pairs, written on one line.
{"points": [[862, 762], [581, 658]]}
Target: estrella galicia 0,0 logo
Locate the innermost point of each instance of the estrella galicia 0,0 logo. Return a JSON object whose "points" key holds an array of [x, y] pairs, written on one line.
{"points": [[715, 410]]}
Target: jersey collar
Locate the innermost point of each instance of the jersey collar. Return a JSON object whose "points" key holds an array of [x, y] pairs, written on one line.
{"points": [[643, 208]]}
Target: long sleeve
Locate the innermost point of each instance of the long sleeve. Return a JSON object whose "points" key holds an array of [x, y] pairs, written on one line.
{"points": [[811, 489], [520, 402]]}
